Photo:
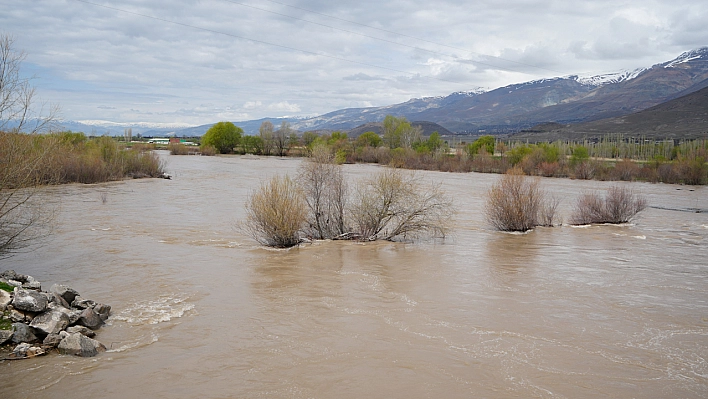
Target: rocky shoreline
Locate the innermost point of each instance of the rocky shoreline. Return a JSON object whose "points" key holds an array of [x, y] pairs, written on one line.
{"points": [[38, 322]]}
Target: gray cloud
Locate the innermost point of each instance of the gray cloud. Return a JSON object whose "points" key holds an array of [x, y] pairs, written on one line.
{"points": [[100, 63]]}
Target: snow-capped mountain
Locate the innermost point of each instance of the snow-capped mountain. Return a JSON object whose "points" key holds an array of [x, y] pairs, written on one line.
{"points": [[603, 79], [693, 55], [568, 99]]}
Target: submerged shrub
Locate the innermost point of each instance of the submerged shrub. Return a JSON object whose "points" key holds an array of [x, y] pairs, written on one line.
{"points": [[276, 212], [395, 204], [619, 205], [517, 203], [325, 190]]}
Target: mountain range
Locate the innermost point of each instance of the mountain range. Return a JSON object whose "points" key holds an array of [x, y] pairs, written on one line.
{"points": [[564, 100], [683, 118]]}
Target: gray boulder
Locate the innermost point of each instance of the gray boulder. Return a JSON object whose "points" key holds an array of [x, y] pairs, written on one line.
{"points": [[52, 340], [18, 317], [80, 345], [81, 303], [5, 299], [81, 330], [64, 292], [12, 275], [22, 333], [32, 284], [50, 322], [29, 300], [102, 310], [73, 314], [90, 319], [5, 335]]}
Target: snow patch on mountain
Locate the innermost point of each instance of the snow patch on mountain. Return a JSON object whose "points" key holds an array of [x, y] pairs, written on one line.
{"points": [[606, 78], [688, 56], [145, 125]]}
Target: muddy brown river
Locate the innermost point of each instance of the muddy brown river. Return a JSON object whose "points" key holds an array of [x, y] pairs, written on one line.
{"points": [[201, 311]]}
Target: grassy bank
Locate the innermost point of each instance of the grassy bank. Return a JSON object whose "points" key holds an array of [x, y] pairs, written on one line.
{"points": [[30, 159]]}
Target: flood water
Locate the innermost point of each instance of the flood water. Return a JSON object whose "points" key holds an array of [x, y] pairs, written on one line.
{"points": [[200, 310]]}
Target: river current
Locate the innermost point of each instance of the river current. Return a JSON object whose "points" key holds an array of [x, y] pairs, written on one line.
{"points": [[201, 310]]}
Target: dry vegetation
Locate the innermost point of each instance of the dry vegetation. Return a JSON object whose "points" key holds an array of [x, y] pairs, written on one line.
{"points": [[393, 204], [276, 212], [396, 204], [517, 203], [23, 219], [325, 192], [619, 205]]}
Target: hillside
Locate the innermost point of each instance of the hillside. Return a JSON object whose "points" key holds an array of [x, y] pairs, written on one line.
{"points": [[685, 117]]}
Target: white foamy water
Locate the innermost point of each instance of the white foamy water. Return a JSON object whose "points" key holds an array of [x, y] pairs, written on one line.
{"points": [[162, 309]]}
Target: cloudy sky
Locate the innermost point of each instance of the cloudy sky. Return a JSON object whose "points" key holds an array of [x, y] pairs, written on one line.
{"points": [[198, 62]]}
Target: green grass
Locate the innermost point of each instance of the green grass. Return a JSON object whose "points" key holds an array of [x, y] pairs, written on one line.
{"points": [[5, 324], [6, 287]]}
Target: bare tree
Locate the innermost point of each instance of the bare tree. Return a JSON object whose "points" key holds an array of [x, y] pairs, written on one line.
{"points": [[325, 190], [24, 217], [266, 132], [396, 204], [281, 138], [17, 95]]}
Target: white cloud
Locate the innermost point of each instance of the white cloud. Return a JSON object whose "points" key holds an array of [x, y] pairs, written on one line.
{"points": [[99, 63], [284, 106], [252, 104]]}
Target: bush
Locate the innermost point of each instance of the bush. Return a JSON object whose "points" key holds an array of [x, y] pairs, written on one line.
{"points": [[395, 204], [207, 150], [517, 154], [483, 143], [516, 203], [178, 149], [325, 190], [276, 212], [619, 205]]}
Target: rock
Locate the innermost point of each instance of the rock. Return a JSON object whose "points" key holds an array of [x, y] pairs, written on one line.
{"points": [[12, 275], [63, 334], [102, 310], [22, 333], [90, 319], [73, 314], [32, 284], [52, 340], [5, 300], [81, 303], [57, 300], [28, 300], [80, 345], [18, 317], [5, 335], [50, 322], [15, 283], [81, 330], [25, 350], [64, 292]]}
